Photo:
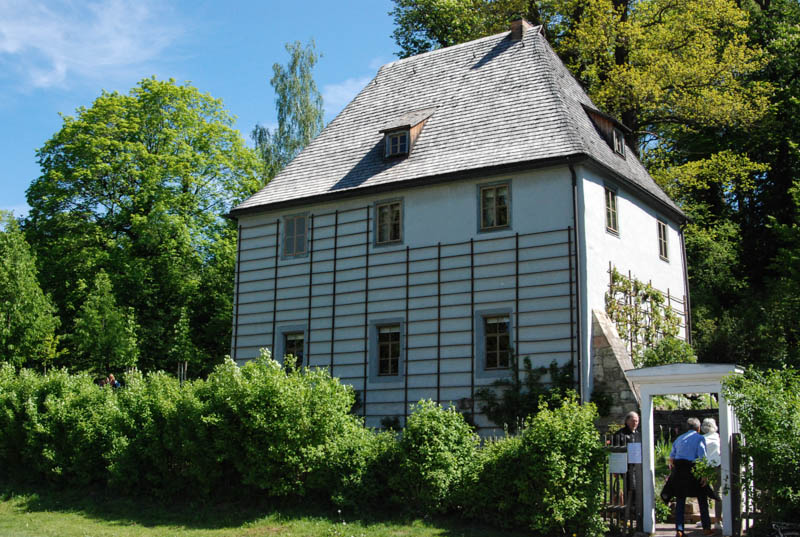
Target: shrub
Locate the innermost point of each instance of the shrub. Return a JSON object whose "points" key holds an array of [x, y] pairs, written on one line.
{"points": [[55, 426], [668, 350], [767, 404], [290, 432], [278, 426], [549, 479], [487, 493], [435, 448], [164, 448]]}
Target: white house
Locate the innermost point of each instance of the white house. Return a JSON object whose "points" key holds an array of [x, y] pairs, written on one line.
{"points": [[461, 212]]}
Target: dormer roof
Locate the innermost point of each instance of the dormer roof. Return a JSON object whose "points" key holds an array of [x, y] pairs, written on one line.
{"points": [[408, 120], [494, 104]]}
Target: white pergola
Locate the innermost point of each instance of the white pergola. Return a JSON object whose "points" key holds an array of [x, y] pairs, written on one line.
{"points": [[683, 379]]}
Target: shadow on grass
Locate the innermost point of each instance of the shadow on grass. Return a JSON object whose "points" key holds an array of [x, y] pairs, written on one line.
{"points": [[106, 508]]}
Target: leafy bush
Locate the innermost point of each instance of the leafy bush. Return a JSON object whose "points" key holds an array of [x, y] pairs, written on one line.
{"points": [[549, 479], [278, 426], [767, 404], [669, 350], [57, 426], [489, 494], [290, 433], [435, 447], [164, 447]]}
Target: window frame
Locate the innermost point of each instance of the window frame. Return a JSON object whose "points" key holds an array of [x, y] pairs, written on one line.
{"points": [[480, 346], [663, 239], [285, 253], [286, 351], [395, 135], [279, 352], [373, 360], [376, 223], [390, 345], [495, 185], [489, 336], [618, 142], [611, 197]]}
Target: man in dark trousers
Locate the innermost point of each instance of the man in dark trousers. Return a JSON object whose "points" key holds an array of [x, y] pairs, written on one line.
{"points": [[686, 449], [627, 435]]}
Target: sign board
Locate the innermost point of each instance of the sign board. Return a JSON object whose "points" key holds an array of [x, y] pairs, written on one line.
{"points": [[618, 463], [634, 453]]}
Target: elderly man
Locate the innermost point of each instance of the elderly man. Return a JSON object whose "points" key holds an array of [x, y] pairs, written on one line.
{"points": [[631, 427], [686, 449], [624, 436]]}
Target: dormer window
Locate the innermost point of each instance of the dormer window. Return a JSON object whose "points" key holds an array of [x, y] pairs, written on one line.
{"points": [[400, 133], [619, 143], [612, 131], [396, 143]]}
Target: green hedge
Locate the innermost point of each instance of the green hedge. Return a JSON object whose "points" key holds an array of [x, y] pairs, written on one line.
{"points": [[767, 404], [548, 479], [289, 433]]}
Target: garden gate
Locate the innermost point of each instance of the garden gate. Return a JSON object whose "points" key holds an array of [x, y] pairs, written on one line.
{"points": [[622, 499]]}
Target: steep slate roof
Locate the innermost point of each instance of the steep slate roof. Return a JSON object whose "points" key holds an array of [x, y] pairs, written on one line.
{"points": [[495, 103]]}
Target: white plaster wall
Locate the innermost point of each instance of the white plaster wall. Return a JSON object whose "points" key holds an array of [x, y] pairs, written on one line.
{"points": [[634, 248], [448, 213]]}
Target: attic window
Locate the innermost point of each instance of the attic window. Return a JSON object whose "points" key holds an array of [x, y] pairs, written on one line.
{"points": [[396, 143], [401, 132], [619, 142]]}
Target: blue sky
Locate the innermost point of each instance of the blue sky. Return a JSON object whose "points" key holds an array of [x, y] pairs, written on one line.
{"points": [[58, 55]]}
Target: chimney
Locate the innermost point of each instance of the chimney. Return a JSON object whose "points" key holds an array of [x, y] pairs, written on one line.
{"points": [[518, 28]]}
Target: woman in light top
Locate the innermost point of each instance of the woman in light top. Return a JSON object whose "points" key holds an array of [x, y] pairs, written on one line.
{"points": [[709, 430]]}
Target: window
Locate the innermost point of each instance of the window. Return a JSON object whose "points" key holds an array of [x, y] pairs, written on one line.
{"points": [[663, 252], [494, 206], [389, 222], [619, 142], [498, 342], [611, 211], [396, 143], [294, 235], [293, 345], [389, 350]]}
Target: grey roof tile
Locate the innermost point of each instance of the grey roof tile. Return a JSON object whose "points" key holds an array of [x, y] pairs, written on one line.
{"points": [[494, 102]]}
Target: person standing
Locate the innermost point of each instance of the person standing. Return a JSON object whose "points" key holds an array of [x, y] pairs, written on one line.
{"points": [[686, 449], [709, 430], [626, 435]]}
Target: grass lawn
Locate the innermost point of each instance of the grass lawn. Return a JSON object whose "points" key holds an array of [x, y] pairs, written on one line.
{"points": [[40, 512]]}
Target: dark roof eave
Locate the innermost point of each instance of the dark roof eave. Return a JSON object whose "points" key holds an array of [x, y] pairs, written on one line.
{"points": [[574, 158]]}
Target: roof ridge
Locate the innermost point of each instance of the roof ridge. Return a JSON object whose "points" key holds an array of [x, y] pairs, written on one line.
{"points": [[537, 29]]}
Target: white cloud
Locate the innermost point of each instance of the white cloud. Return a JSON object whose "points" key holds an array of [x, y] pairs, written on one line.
{"points": [[47, 43], [336, 96]]}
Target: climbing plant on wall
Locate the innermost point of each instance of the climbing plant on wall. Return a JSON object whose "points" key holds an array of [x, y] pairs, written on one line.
{"points": [[642, 314]]}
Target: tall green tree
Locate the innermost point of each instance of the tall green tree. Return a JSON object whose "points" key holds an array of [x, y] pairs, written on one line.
{"points": [[740, 183], [136, 185], [299, 106], [105, 333], [27, 316]]}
